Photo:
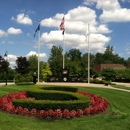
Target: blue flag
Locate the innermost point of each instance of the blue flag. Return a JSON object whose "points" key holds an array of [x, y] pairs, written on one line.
{"points": [[38, 28]]}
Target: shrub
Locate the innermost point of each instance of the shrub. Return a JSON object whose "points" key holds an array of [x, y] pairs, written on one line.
{"points": [[24, 83], [61, 88], [50, 104], [53, 99], [95, 81]]}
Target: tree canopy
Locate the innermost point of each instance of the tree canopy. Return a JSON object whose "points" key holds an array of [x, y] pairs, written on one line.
{"points": [[22, 65], [75, 61]]}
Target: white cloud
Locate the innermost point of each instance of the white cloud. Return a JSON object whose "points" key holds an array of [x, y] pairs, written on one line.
{"points": [[12, 60], [3, 33], [120, 15], [49, 22], [97, 41], [125, 0], [79, 16], [14, 31], [10, 56], [41, 55], [112, 11], [89, 2], [76, 22], [103, 29], [83, 14], [23, 19], [108, 4]]}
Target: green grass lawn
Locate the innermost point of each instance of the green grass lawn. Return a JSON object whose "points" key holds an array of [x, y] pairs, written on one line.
{"points": [[117, 119], [121, 87]]}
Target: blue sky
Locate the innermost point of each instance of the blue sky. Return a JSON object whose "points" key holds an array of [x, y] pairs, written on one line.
{"points": [[109, 25]]}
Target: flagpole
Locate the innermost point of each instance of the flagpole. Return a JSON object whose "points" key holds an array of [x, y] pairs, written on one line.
{"points": [[38, 53], [63, 51], [88, 57], [62, 27]]}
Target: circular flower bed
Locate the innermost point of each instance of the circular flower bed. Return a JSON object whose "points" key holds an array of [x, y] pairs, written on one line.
{"points": [[98, 105]]}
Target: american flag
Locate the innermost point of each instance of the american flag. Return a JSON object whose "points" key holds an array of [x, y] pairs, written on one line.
{"points": [[62, 26]]}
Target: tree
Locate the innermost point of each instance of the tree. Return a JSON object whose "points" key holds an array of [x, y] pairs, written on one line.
{"points": [[123, 75], [46, 71], [109, 58], [74, 54], [33, 64], [84, 64], [109, 74], [11, 73], [94, 73], [99, 58], [74, 59], [109, 50], [55, 60], [4, 66], [74, 68], [22, 65]]}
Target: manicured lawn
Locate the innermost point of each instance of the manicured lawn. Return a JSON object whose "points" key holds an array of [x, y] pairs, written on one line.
{"points": [[117, 117], [121, 86]]}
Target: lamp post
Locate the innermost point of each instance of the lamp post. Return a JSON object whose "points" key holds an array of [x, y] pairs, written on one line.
{"points": [[34, 78], [5, 56]]}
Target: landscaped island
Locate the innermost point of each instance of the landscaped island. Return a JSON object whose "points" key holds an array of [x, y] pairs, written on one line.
{"points": [[53, 102]]}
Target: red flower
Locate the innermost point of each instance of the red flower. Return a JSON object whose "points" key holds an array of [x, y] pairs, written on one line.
{"points": [[79, 113], [98, 105], [73, 113], [66, 114], [33, 112]]}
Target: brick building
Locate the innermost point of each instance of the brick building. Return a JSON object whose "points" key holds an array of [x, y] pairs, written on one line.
{"points": [[128, 65], [99, 67]]}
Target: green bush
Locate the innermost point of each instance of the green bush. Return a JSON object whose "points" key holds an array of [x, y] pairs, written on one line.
{"points": [[60, 88], [52, 93], [96, 81], [23, 78], [24, 83], [3, 81], [102, 81], [85, 81], [52, 104], [53, 99]]}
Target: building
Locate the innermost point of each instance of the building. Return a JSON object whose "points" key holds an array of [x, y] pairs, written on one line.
{"points": [[99, 67]]}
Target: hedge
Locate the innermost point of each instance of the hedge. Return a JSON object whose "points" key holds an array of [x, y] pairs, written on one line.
{"points": [[53, 99], [49, 104], [25, 83]]}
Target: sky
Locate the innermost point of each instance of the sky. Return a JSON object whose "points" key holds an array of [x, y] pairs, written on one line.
{"points": [[108, 20]]}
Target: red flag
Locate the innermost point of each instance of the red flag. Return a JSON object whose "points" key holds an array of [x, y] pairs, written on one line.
{"points": [[62, 24]]}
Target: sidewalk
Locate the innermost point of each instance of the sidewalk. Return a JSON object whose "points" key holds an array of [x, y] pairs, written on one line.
{"points": [[2, 84]]}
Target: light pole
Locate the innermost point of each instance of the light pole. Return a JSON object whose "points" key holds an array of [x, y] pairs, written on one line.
{"points": [[5, 56], [34, 78]]}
